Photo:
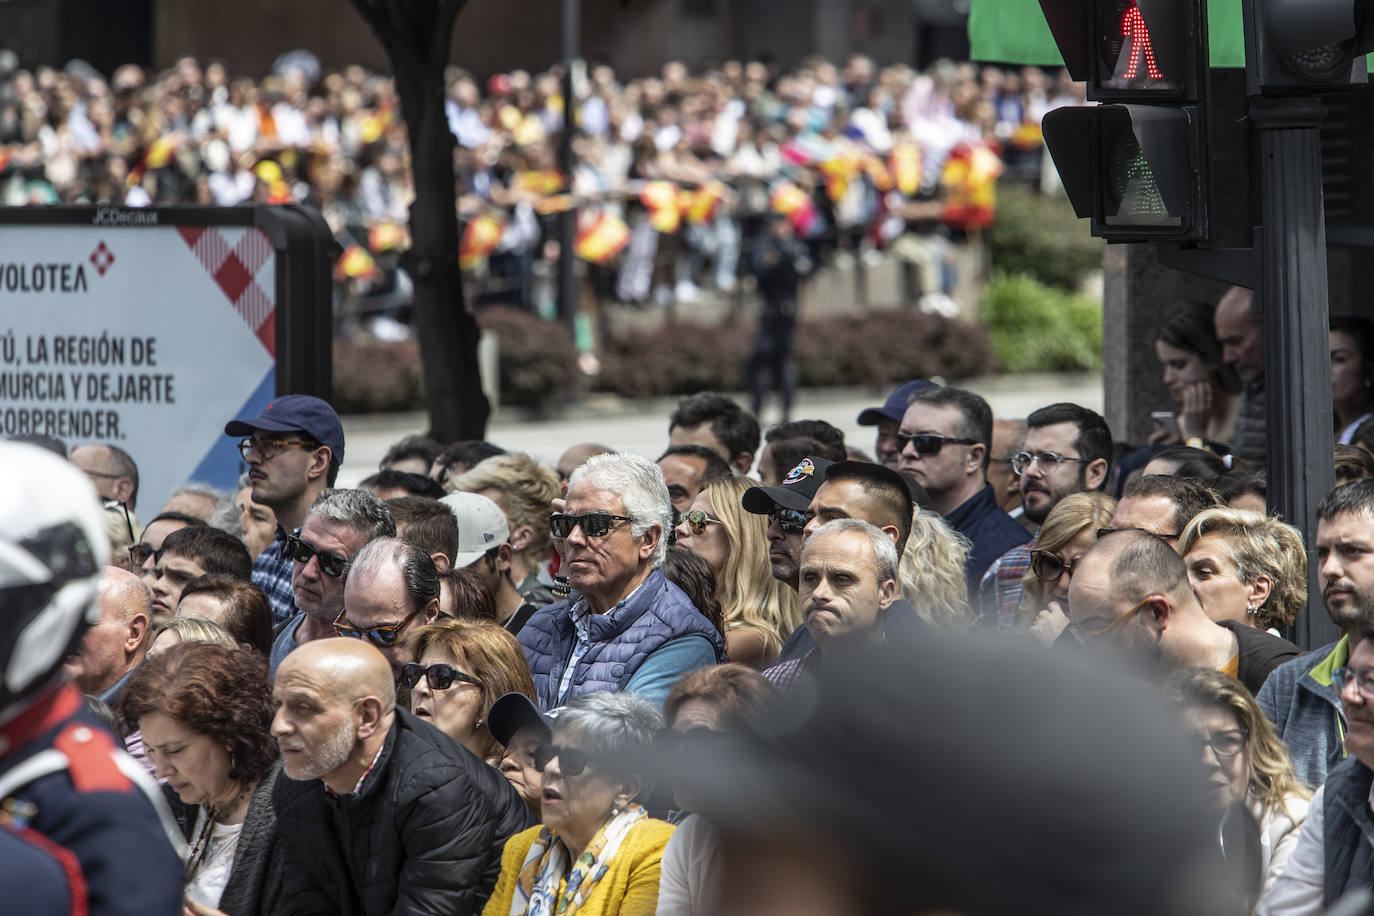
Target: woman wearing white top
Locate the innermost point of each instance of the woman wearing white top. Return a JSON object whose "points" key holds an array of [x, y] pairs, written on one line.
{"points": [[1245, 761], [205, 713]]}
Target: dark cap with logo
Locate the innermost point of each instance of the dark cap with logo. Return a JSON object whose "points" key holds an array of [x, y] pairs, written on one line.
{"points": [[894, 408], [795, 491], [292, 413]]}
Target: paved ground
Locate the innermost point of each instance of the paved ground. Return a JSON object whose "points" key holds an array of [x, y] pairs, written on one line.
{"points": [[642, 426]]}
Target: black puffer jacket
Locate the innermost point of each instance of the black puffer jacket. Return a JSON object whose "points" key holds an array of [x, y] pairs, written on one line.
{"points": [[423, 836]]}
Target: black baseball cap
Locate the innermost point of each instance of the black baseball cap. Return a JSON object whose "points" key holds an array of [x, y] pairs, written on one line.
{"points": [[795, 491], [512, 712], [291, 413]]}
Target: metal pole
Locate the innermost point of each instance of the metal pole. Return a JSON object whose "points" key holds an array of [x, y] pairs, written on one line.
{"points": [[567, 220], [1292, 301]]}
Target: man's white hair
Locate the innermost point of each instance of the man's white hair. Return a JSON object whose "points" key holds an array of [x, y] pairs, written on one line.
{"points": [[640, 485]]}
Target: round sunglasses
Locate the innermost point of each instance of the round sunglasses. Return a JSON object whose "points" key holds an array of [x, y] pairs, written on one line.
{"points": [[697, 520]]}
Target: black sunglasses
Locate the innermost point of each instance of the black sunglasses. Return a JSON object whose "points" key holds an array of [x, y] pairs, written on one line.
{"points": [[791, 521], [593, 524], [301, 552], [383, 636], [927, 444], [439, 677], [1049, 566], [571, 761]]}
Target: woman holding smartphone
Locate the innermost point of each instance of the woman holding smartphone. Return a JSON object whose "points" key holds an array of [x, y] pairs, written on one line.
{"points": [[1205, 390]]}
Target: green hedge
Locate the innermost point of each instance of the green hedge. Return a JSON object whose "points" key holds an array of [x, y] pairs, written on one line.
{"points": [[1038, 328], [1038, 234]]}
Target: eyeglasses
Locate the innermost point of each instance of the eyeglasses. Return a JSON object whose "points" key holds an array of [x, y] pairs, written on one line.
{"points": [[791, 521], [1226, 744], [117, 504], [571, 761], [593, 524], [927, 444], [1048, 566], [330, 564], [1098, 634], [267, 448], [438, 677], [139, 554], [1364, 682], [1169, 536], [382, 636], [697, 520], [1048, 461]]}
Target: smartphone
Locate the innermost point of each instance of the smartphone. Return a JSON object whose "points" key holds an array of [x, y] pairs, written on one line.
{"points": [[1166, 421]]}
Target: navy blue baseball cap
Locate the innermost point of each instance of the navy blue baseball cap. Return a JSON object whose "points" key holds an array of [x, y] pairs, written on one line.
{"points": [[795, 492], [292, 413], [895, 405]]}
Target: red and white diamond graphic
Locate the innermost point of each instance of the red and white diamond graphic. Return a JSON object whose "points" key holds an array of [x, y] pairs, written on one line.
{"points": [[102, 258], [234, 268]]}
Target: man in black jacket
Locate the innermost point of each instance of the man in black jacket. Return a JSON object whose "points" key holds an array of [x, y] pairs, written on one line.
{"points": [[383, 813]]}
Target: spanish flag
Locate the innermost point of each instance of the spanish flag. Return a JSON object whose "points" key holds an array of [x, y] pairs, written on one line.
{"points": [[906, 168], [543, 182], [704, 201], [480, 238], [355, 264], [970, 179], [660, 199], [388, 236], [878, 172], [795, 204], [602, 238]]}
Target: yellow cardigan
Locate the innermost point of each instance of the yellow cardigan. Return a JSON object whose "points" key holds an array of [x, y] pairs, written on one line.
{"points": [[629, 887]]}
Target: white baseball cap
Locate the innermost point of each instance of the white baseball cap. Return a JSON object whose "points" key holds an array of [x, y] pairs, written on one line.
{"points": [[481, 526]]}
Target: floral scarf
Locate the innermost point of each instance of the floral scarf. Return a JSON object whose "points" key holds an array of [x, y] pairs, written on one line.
{"points": [[546, 865]]}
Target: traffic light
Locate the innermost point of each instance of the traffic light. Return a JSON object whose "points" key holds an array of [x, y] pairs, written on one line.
{"points": [[1137, 165], [1305, 45]]}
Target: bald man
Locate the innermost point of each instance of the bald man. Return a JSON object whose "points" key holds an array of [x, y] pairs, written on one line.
{"points": [[115, 646], [577, 455], [382, 812]]}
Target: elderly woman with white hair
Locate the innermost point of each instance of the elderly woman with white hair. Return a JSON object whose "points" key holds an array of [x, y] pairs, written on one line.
{"points": [[597, 853], [629, 627]]}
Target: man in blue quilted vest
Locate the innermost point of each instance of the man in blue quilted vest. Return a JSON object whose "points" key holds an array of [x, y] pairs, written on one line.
{"points": [[628, 628]]}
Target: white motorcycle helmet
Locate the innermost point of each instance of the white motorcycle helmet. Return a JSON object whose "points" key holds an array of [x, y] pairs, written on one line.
{"points": [[53, 547]]}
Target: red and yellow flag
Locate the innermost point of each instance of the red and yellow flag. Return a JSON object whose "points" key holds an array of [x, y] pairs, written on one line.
{"points": [[355, 264], [480, 238], [542, 182], [602, 238], [703, 203], [970, 179], [660, 199], [795, 204], [906, 168]]}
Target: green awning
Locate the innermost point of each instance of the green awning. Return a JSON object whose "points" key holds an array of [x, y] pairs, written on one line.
{"points": [[1014, 32]]}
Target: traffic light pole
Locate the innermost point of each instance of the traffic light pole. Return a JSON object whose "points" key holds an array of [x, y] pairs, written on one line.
{"points": [[567, 220], [1291, 298]]}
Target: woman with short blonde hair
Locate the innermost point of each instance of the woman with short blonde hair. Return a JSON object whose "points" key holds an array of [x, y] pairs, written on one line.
{"points": [[1246, 567]]}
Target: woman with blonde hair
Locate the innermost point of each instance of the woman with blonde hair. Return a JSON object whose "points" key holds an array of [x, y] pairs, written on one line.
{"points": [[760, 611], [1245, 760], [1246, 567], [461, 668], [931, 573], [1069, 530]]}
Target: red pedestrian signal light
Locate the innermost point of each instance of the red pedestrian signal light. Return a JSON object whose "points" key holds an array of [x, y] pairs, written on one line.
{"points": [[1137, 169]]}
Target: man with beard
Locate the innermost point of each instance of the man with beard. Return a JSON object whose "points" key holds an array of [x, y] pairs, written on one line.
{"points": [[382, 813], [1300, 697], [1131, 590], [1068, 449]]}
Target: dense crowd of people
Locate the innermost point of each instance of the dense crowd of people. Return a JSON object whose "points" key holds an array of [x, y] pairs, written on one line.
{"points": [[676, 174], [614, 684]]}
